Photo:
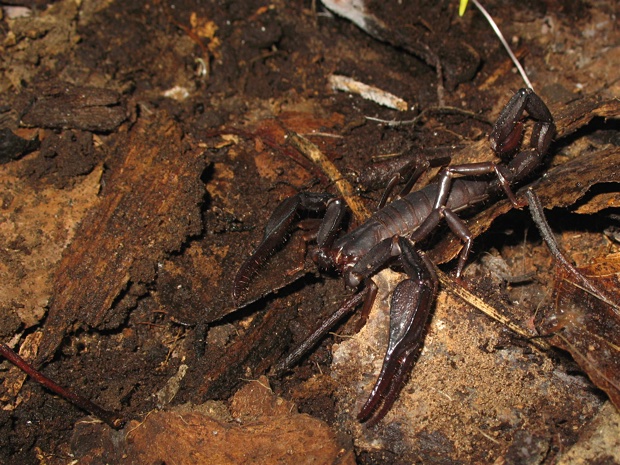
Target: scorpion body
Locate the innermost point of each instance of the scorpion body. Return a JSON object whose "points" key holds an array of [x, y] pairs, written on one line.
{"points": [[407, 213], [392, 233]]}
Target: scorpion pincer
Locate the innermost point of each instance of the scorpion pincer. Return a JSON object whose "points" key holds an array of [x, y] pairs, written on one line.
{"points": [[390, 237]]}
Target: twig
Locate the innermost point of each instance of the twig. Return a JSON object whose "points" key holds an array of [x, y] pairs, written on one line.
{"points": [[434, 109], [312, 152], [111, 418], [536, 211], [372, 93]]}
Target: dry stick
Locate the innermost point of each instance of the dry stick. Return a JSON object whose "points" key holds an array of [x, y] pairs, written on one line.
{"points": [[485, 308], [312, 152], [445, 110], [112, 419], [536, 210]]}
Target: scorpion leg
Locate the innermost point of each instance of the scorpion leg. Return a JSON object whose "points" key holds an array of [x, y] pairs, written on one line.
{"points": [[420, 168], [411, 172], [410, 306], [472, 169], [455, 224], [277, 229], [368, 295], [459, 228]]}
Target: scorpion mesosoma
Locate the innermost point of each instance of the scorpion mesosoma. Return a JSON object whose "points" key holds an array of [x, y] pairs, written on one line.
{"points": [[391, 234]]}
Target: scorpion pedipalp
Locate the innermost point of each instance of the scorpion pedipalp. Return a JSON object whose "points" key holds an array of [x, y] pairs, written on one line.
{"points": [[410, 306], [276, 230]]}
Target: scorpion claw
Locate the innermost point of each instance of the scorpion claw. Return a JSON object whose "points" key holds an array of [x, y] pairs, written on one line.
{"points": [[410, 307], [275, 234]]}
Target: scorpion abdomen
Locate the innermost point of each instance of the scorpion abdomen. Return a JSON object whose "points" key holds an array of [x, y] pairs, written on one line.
{"points": [[398, 218], [404, 215]]}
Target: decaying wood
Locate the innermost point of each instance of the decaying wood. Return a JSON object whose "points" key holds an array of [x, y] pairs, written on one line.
{"points": [[64, 106], [222, 369], [150, 205], [584, 318], [259, 428]]}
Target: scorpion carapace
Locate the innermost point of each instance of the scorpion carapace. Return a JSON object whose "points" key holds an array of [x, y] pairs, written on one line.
{"points": [[390, 237]]}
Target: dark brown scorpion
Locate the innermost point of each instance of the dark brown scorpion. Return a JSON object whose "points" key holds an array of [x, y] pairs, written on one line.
{"points": [[391, 235]]}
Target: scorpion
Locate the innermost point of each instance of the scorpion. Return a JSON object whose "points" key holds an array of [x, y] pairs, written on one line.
{"points": [[390, 236]]}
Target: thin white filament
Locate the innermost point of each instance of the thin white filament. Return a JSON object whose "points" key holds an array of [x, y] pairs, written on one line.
{"points": [[504, 43]]}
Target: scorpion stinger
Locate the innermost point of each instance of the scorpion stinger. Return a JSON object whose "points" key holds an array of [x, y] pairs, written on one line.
{"points": [[392, 234]]}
